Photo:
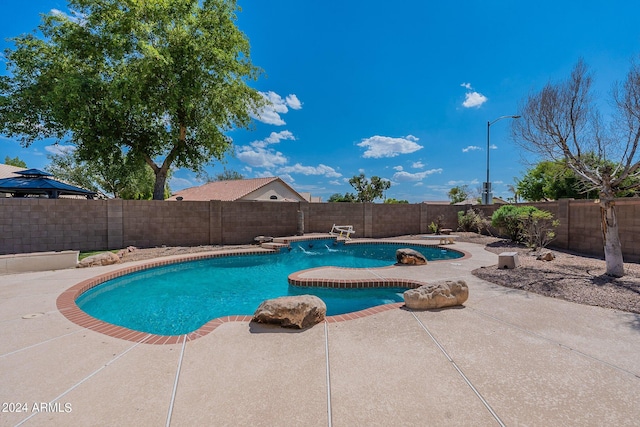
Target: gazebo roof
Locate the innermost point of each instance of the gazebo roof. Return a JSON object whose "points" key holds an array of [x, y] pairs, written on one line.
{"points": [[37, 182], [33, 173]]}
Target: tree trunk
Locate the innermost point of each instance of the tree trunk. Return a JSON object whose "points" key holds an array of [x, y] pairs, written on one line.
{"points": [[158, 187], [161, 173], [611, 239]]}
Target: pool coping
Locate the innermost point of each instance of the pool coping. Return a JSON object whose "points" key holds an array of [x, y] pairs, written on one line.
{"points": [[66, 301]]}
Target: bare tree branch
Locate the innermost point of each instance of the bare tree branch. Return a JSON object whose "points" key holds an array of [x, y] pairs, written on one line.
{"points": [[561, 122]]}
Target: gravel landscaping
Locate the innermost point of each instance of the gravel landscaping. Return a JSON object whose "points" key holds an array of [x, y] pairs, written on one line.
{"points": [[570, 276]]}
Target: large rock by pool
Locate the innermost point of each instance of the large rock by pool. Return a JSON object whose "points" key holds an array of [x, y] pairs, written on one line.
{"points": [[105, 258], [292, 312], [410, 257], [437, 295]]}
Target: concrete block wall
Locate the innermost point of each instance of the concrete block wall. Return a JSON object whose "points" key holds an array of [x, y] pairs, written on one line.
{"points": [[629, 222], [584, 223], [449, 214], [242, 221], [39, 225], [322, 216], [395, 220], [156, 223]]}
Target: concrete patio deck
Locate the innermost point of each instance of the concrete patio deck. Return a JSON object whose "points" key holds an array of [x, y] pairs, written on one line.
{"points": [[506, 358]]}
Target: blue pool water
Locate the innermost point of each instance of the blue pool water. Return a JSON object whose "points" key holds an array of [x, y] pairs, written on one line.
{"points": [[179, 298]]}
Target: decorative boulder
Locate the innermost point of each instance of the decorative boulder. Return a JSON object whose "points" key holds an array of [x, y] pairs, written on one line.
{"points": [[292, 312], [123, 252], [105, 258], [437, 295], [410, 257], [546, 256]]}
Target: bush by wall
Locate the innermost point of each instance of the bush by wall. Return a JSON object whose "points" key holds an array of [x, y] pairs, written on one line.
{"points": [[526, 224]]}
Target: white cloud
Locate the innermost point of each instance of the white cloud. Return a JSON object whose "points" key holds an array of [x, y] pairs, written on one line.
{"points": [[493, 146], [287, 178], [276, 137], [411, 177], [75, 17], [260, 157], [474, 99], [335, 182], [177, 184], [398, 168], [471, 148], [293, 102], [270, 113], [257, 154], [264, 174], [321, 169], [57, 149], [455, 183], [386, 146], [417, 165]]}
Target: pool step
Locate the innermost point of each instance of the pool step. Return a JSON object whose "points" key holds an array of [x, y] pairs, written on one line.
{"points": [[281, 240], [274, 245]]}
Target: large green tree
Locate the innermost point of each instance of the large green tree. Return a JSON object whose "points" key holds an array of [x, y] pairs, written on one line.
{"points": [[552, 180], [122, 177], [562, 122], [160, 80], [228, 175], [368, 191], [458, 194], [340, 198], [16, 161]]}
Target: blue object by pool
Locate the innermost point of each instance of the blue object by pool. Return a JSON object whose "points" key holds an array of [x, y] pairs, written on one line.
{"points": [[179, 298]]}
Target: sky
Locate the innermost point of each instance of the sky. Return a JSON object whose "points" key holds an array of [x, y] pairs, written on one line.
{"points": [[402, 90]]}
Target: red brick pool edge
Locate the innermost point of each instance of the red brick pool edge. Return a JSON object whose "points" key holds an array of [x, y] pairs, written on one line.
{"points": [[66, 304]]}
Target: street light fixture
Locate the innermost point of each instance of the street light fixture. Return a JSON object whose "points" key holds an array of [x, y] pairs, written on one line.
{"points": [[487, 194]]}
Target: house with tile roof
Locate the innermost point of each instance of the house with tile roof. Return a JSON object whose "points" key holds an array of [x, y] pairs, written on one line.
{"points": [[8, 171], [271, 189]]}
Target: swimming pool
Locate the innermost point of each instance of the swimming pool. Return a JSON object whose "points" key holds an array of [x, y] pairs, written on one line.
{"points": [[179, 298]]}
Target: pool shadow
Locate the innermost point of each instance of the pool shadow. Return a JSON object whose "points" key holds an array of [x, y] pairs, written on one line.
{"points": [[262, 328]]}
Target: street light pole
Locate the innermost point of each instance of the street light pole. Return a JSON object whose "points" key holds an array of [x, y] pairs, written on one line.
{"points": [[487, 194]]}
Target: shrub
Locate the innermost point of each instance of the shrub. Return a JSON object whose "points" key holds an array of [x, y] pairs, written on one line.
{"points": [[507, 220], [538, 228], [526, 224], [436, 226], [472, 220]]}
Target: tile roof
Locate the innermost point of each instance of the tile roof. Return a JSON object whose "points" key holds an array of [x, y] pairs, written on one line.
{"points": [[228, 190], [8, 171]]}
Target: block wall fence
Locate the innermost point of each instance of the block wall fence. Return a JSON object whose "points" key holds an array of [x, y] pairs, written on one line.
{"points": [[35, 225]]}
